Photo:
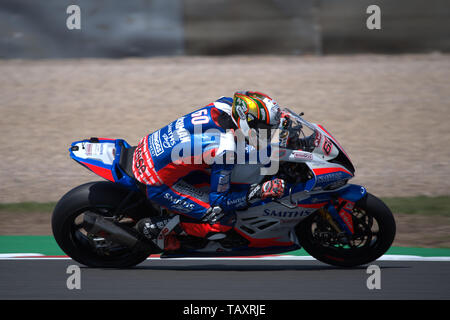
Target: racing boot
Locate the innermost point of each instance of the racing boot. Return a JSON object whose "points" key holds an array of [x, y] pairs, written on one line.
{"points": [[157, 230], [209, 227]]}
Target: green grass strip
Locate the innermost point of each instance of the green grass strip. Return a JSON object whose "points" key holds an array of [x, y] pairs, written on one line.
{"points": [[30, 244], [422, 205], [27, 207], [423, 252]]}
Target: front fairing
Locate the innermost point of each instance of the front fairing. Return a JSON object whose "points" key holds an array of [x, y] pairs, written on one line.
{"points": [[328, 162], [326, 147], [330, 149]]}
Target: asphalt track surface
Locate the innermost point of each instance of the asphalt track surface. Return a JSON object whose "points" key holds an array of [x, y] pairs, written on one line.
{"points": [[224, 280]]}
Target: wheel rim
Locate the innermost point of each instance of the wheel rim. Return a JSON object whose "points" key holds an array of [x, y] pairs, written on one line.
{"points": [[326, 239]]}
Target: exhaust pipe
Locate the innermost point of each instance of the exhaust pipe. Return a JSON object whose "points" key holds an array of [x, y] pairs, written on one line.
{"points": [[95, 224]]}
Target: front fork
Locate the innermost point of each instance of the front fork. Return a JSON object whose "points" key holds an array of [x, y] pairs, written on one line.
{"points": [[339, 216], [339, 212]]}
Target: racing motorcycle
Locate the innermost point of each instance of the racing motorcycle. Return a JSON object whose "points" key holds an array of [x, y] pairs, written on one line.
{"points": [[338, 223]]}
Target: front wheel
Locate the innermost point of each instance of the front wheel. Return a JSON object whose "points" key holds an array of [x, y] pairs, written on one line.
{"points": [[374, 232]]}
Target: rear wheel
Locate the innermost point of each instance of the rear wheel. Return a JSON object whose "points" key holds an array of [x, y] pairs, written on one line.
{"points": [[374, 232], [94, 250]]}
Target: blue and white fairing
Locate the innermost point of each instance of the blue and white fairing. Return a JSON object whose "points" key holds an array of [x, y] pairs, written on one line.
{"points": [[102, 156], [331, 169]]}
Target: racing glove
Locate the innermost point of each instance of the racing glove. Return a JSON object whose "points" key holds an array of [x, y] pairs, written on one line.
{"points": [[269, 189]]}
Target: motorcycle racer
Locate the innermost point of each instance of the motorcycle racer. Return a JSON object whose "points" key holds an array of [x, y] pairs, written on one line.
{"points": [[186, 166], [113, 224]]}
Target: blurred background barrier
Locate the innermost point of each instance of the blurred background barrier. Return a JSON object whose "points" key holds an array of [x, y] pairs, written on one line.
{"points": [[116, 28], [109, 28], [407, 26]]}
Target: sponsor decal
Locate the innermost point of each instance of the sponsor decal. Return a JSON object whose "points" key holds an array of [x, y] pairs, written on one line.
{"points": [[327, 146], [89, 149], [347, 218], [180, 132], [185, 188], [329, 177], [286, 214], [302, 155], [139, 162], [155, 143], [179, 204], [168, 138], [224, 181], [142, 164], [241, 108], [94, 149], [237, 201]]}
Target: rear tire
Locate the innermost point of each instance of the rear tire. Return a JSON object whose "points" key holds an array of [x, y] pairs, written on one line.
{"points": [[99, 197], [378, 242]]}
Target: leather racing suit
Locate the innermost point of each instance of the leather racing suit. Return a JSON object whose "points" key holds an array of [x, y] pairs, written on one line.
{"points": [[186, 167]]}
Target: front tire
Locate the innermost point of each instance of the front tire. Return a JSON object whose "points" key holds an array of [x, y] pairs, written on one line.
{"points": [[102, 198], [374, 234]]}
